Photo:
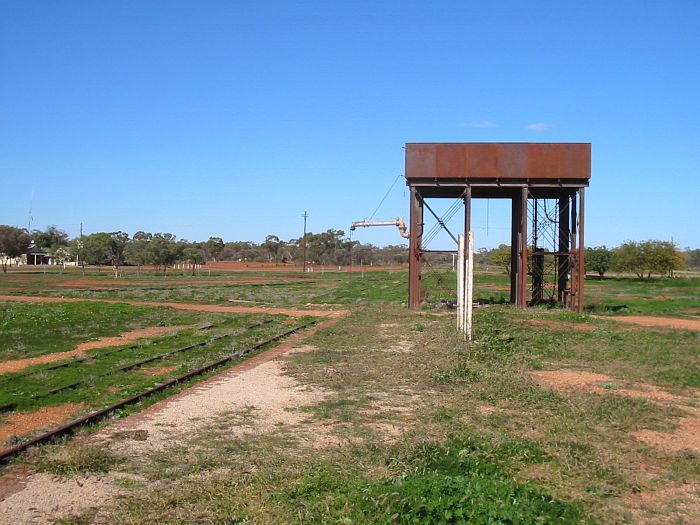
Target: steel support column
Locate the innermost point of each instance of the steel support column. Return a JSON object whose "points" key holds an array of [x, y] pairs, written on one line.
{"points": [[415, 258], [563, 259], [522, 280], [515, 232], [581, 250], [573, 262]]}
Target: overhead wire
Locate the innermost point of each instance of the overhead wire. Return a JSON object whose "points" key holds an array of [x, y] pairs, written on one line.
{"points": [[385, 196]]}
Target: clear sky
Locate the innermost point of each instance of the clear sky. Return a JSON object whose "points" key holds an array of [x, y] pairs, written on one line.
{"points": [[232, 118]]}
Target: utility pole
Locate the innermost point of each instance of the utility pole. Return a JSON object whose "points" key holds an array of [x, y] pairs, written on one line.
{"points": [[80, 249], [306, 215]]}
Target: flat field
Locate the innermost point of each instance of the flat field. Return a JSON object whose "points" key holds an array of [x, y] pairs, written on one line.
{"points": [[546, 417]]}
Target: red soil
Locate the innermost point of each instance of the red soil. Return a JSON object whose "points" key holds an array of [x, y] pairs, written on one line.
{"points": [[22, 424], [293, 312], [257, 266], [88, 283], [656, 322]]}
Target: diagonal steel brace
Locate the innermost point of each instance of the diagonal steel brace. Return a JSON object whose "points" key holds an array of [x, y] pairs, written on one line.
{"points": [[440, 221]]}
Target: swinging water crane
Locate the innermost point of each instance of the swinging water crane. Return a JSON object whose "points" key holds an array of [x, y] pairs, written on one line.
{"points": [[398, 222]]}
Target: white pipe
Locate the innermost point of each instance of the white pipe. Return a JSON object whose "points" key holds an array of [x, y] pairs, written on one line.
{"points": [[398, 222]]}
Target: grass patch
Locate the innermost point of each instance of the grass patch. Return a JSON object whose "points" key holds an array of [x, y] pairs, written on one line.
{"points": [[456, 482], [72, 458], [36, 329]]}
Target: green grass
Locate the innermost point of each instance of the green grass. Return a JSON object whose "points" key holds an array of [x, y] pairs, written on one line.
{"points": [[538, 456], [19, 389], [458, 481], [478, 440], [37, 329], [678, 297]]}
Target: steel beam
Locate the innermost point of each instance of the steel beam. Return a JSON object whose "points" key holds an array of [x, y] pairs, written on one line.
{"points": [[415, 258]]}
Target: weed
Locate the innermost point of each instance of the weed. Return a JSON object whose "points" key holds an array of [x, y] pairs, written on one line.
{"points": [[71, 458]]}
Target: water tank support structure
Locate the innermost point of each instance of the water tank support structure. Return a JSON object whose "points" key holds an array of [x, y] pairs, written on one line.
{"points": [[545, 183]]}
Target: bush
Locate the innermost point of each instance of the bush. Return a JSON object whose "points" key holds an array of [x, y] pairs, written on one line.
{"points": [[647, 257]]}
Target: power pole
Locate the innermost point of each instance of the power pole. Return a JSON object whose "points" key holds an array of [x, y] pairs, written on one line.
{"points": [[306, 216], [80, 248]]}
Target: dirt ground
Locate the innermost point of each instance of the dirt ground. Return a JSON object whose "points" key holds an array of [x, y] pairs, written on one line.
{"points": [[677, 499], [258, 266], [655, 322], [686, 435], [102, 284], [292, 312], [24, 423]]}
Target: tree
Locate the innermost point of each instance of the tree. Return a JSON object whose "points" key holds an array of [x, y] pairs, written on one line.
{"points": [[13, 243], [648, 257], [52, 237], [117, 248], [662, 257], [162, 250], [242, 250], [329, 247], [136, 251], [214, 247], [272, 246], [501, 257], [193, 256], [692, 258], [96, 249], [598, 259], [142, 236], [60, 254]]}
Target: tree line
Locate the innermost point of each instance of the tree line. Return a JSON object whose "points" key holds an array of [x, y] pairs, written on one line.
{"points": [[642, 258], [162, 250]]}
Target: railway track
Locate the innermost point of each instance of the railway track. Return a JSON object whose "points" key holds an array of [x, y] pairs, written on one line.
{"points": [[130, 366], [99, 414], [81, 359]]}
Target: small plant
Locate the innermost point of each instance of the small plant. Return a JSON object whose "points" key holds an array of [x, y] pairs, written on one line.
{"points": [[72, 458]]}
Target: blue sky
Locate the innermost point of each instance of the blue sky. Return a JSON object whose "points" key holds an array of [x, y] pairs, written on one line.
{"points": [[233, 118]]}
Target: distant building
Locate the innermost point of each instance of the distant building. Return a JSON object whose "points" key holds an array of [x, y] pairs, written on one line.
{"points": [[37, 255]]}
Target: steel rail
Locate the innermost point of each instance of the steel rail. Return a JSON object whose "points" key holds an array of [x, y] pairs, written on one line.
{"points": [[104, 412], [164, 355], [130, 366], [75, 360]]}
